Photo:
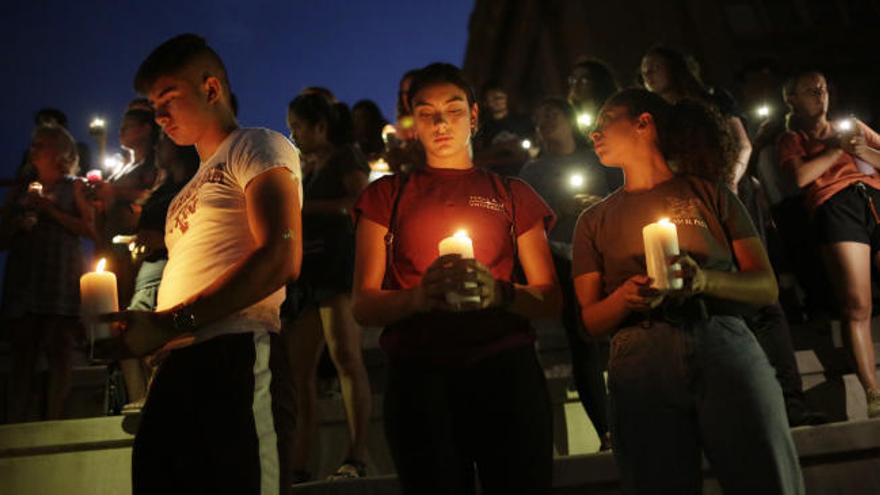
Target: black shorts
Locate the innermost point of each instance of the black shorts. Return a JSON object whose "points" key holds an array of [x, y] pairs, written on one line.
{"points": [[847, 217]]}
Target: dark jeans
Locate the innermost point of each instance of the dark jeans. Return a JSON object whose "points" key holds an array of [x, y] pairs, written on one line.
{"points": [[208, 426], [493, 417], [586, 359], [707, 388]]}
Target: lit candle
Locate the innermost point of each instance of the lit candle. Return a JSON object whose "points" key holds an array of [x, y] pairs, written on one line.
{"points": [[459, 244], [379, 168], [576, 180], [661, 244], [98, 296], [35, 188]]}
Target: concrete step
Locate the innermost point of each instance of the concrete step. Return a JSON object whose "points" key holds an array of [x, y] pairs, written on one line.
{"points": [[93, 456]]}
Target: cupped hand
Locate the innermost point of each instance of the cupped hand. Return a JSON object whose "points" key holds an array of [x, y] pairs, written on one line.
{"points": [[638, 295]]}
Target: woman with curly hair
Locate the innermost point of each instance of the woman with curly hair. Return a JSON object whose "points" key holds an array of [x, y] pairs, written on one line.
{"points": [[685, 374]]}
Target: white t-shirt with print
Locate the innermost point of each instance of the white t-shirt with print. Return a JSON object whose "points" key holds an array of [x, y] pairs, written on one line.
{"points": [[207, 231]]}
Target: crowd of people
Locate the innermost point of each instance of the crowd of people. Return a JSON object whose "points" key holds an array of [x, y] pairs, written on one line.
{"points": [[241, 255]]}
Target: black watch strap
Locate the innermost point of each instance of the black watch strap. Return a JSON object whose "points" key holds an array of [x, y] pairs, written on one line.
{"points": [[183, 319]]}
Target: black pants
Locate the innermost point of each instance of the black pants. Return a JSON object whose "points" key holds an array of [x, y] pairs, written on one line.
{"points": [[587, 364], [770, 326], [493, 418], [208, 426]]}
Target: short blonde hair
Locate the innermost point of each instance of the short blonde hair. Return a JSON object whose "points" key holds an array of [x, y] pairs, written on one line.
{"points": [[64, 144]]}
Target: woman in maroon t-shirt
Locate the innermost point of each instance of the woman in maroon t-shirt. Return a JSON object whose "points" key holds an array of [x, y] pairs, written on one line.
{"points": [[464, 387]]}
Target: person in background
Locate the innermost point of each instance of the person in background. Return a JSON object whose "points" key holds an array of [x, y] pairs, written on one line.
{"points": [[503, 139], [685, 374], [837, 168], [176, 166], [49, 116], [568, 176], [368, 125], [675, 76], [465, 391], [590, 83], [401, 148], [41, 225], [321, 130], [119, 202], [122, 195]]}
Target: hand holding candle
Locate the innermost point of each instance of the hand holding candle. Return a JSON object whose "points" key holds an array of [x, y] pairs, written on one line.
{"points": [[661, 246], [459, 244], [98, 296]]}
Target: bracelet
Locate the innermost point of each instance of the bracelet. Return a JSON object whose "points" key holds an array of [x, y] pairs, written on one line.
{"points": [[508, 292]]}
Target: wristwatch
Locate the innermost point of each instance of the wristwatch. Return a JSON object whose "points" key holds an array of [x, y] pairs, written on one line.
{"points": [[183, 319]]}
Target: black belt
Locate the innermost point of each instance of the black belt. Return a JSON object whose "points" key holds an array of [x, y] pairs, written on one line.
{"points": [[690, 310]]}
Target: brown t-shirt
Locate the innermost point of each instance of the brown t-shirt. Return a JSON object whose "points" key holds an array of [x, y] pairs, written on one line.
{"points": [[708, 217], [436, 203], [794, 145]]}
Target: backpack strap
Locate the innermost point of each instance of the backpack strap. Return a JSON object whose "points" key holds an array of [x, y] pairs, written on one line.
{"points": [[392, 226], [510, 209]]}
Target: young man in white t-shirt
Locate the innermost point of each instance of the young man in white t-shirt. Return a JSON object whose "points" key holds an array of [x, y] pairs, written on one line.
{"points": [[233, 238]]}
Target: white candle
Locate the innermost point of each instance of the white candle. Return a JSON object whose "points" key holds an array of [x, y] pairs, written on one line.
{"points": [[98, 296], [35, 188], [459, 244], [661, 244]]}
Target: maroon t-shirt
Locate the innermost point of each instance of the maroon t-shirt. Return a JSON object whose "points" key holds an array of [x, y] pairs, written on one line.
{"points": [[435, 203]]}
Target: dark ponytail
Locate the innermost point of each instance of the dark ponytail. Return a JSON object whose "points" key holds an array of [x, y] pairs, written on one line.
{"points": [[692, 136]]}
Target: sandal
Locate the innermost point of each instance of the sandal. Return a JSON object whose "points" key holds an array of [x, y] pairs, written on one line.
{"points": [[349, 469]]}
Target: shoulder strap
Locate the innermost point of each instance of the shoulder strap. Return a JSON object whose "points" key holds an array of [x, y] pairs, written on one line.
{"points": [[510, 210], [510, 205], [392, 224]]}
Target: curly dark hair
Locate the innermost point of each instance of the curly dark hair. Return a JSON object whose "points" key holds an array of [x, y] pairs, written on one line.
{"points": [[692, 136], [700, 142]]}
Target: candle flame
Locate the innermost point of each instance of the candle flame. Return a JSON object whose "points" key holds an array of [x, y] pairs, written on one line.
{"points": [[380, 165], [461, 234], [101, 264], [664, 221]]}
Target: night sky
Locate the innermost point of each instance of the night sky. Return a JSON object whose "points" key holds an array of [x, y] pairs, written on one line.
{"points": [[81, 56]]}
